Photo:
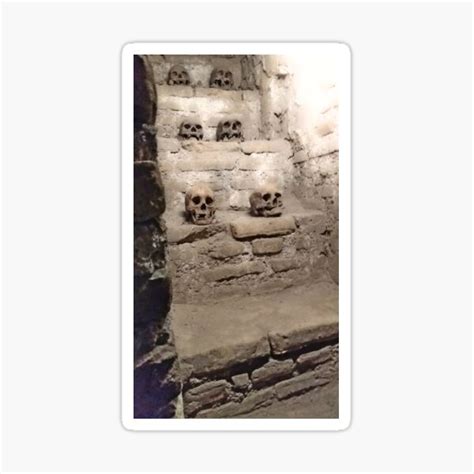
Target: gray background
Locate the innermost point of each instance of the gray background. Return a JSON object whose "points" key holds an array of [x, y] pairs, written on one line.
{"points": [[411, 237]]}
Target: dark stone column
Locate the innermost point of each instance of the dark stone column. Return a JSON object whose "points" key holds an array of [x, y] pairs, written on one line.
{"points": [[156, 384]]}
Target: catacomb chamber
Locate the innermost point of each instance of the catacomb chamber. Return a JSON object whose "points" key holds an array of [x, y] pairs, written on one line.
{"points": [[252, 234]]}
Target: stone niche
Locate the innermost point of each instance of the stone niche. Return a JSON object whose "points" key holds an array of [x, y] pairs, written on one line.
{"points": [[237, 255], [215, 261]]}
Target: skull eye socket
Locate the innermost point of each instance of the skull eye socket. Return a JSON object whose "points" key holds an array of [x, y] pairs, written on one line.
{"points": [[174, 73], [196, 199], [238, 123], [209, 200], [220, 72], [228, 74], [277, 195], [198, 126], [226, 124], [266, 196], [187, 126]]}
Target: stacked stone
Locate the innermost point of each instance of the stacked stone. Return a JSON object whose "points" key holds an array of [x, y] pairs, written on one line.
{"points": [[283, 374], [246, 256]]}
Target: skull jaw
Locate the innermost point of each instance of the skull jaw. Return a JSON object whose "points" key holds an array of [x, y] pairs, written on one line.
{"points": [[201, 218], [275, 212], [227, 137]]}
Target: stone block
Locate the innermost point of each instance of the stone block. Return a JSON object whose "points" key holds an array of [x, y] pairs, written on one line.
{"points": [[214, 162], [182, 254], [149, 196], [300, 157], [266, 146], [224, 357], [267, 246], [261, 162], [239, 200], [171, 145], [203, 147], [297, 385], [182, 233], [214, 92], [245, 182], [299, 338], [326, 371], [252, 402], [272, 372], [241, 381], [226, 249], [206, 395], [248, 227], [225, 272], [314, 358], [174, 91], [283, 264]]}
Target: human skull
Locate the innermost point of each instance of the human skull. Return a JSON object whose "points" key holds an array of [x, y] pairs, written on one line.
{"points": [[189, 130], [221, 79], [229, 130], [178, 76], [200, 204], [266, 201]]}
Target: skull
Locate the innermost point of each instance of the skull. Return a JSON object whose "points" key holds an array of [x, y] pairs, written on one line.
{"points": [[178, 76], [189, 130], [200, 204], [221, 79], [266, 201], [229, 130]]}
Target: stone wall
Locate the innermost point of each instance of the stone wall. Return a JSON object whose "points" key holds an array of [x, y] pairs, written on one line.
{"points": [[213, 262], [238, 255], [156, 382], [259, 382]]}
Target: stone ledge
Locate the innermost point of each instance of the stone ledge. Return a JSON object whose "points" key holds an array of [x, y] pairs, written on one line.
{"points": [[184, 233], [220, 335], [216, 162], [266, 146], [223, 357], [298, 338], [174, 91], [262, 226], [202, 147], [271, 372]]}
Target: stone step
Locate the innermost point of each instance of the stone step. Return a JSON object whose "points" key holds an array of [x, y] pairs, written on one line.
{"points": [[238, 356]]}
